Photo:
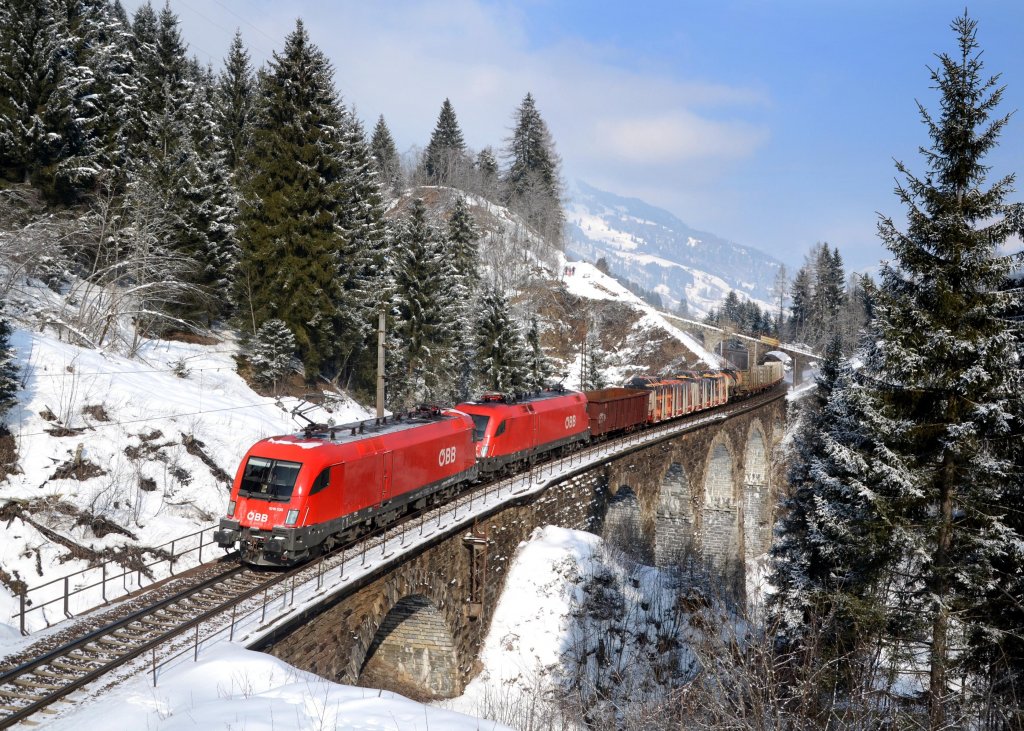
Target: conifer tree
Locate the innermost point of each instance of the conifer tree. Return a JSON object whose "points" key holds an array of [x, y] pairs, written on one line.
{"points": [[463, 237], [593, 362], [533, 184], [385, 157], [47, 86], [800, 303], [500, 349], [233, 104], [444, 160], [8, 370], [539, 370], [211, 210], [829, 290], [487, 173], [364, 258], [290, 230], [425, 317], [832, 543], [945, 359], [271, 352]]}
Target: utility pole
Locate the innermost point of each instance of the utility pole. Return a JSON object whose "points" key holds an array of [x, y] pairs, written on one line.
{"points": [[380, 365]]}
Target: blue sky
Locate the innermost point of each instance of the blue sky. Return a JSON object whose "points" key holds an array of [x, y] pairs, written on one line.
{"points": [[772, 123]]}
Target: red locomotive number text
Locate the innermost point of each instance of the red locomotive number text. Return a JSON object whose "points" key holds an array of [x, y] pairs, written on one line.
{"points": [[446, 457]]}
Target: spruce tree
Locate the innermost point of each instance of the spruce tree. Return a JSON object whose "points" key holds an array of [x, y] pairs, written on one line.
{"points": [[444, 160], [463, 237], [8, 370], [271, 352], [501, 353], [593, 362], [539, 370], [290, 232], [425, 317], [385, 158], [944, 371], [829, 291], [533, 184], [233, 104], [800, 303], [364, 258], [488, 180], [832, 543], [47, 87]]}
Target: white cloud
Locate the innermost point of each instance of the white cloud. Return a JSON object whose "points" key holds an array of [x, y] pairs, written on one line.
{"points": [[673, 137]]}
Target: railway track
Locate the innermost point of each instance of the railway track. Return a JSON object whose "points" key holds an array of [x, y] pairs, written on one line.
{"points": [[34, 685]]}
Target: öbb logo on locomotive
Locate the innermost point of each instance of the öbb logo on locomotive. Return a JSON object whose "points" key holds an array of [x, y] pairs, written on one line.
{"points": [[446, 456], [290, 502]]}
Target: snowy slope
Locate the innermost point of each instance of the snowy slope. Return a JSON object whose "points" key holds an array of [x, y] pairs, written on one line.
{"points": [[589, 283]]}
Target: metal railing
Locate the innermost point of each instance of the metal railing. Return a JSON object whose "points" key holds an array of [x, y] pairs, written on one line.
{"points": [[111, 578]]}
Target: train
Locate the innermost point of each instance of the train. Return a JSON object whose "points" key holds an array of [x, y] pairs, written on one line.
{"points": [[297, 495]]}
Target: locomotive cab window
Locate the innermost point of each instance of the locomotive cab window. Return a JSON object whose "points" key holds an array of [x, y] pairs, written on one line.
{"points": [[270, 479], [322, 481], [500, 430], [480, 423]]}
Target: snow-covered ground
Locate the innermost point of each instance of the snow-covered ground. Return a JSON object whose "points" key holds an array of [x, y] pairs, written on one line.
{"points": [[232, 689]]}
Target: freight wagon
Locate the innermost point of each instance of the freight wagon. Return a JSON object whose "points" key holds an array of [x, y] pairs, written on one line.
{"points": [[612, 410]]}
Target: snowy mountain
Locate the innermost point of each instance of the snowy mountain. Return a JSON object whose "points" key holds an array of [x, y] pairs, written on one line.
{"points": [[653, 248]]}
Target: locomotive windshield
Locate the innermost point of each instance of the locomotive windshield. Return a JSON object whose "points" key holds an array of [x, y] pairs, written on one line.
{"points": [[479, 426], [270, 479]]}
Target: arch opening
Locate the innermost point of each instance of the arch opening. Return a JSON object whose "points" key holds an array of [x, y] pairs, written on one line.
{"points": [[413, 653]]}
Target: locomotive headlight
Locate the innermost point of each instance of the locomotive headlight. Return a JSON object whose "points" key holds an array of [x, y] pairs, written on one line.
{"points": [[231, 508], [292, 517]]}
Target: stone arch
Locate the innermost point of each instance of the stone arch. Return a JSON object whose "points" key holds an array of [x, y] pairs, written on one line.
{"points": [[720, 534], [673, 517], [413, 652], [756, 492]]}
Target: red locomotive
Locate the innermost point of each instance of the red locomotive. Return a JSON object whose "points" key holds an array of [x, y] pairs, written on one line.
{"points": [[295, 495], [512, 432]]}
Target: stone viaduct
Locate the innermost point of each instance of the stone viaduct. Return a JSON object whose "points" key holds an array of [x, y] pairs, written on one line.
{"points": [[418, 628]]}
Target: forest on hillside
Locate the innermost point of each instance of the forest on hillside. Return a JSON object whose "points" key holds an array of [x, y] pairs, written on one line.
{"points": [[163, 196]]}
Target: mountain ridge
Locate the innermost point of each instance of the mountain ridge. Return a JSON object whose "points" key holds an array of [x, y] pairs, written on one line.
{"points": [[655, 249]]}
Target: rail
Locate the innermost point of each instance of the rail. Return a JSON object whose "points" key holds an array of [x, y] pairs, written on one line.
{"points": [[110, 583]]}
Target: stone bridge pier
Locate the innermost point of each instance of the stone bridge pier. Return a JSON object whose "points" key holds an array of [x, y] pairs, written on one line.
{"points": [[417, 627], [709, 493]]}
